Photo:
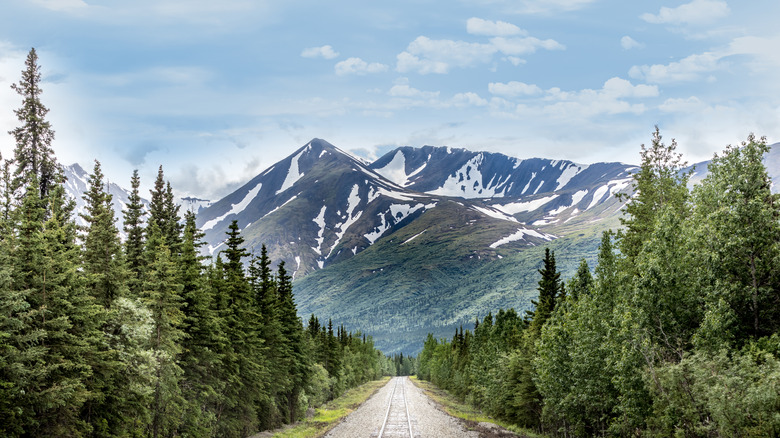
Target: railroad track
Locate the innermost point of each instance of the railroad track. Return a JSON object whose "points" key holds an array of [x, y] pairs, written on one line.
{"points": [[398, 422]]}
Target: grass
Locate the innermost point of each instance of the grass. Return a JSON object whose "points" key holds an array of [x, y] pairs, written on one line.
{"points": [[456, 408], [330, 414]]}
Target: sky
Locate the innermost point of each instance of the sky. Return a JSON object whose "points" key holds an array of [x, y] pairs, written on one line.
{"points": [[218, 91]]}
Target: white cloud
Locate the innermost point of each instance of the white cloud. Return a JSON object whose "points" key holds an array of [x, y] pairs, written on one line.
{"points": [[407, 91], [695, 12], [513, 88], [763, 50], [326, 52], [515, 60], [425, 55], [689, 68], [478, 26], [524, 46], [468, 99], [611, 99], [621, 88], [628, 43], [358, 67]]}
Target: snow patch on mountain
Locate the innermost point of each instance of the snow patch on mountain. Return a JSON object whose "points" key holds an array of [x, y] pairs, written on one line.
{"points": [[538, 187], [352, 202], [235, 208], [528, 184], [320, 221], [414, 237], [568, 173], [518, 207], [494, 213], [613, 187], [293, 175], [520, 235], [467, 182], [395, 170], [577, 197], [398, 212]]}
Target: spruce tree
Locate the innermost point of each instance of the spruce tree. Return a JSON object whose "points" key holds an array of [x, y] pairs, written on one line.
{"points": [[162, 295], [164, 213], [33, 155], [103, 264], [267, 305], [134, 230], [293, 357], [243, 329], [201, 357], [49, 321], [550, 291]]}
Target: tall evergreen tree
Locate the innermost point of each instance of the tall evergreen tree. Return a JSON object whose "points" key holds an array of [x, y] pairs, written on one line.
{"points": [[134, 230], [659, 182], [293, 358], [33, 156], [550, 291], [243, 327], [162, 295], [103, 263], [164, 213], [48, 321], [201, 356]]}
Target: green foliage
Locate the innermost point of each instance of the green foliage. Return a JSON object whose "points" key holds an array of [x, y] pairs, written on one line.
{"points": [[133, 227], [33, 155], [103, 339], [677, 333]]}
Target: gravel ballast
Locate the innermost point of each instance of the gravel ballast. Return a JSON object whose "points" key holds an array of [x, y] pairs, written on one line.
{"points": [[427, 419]]}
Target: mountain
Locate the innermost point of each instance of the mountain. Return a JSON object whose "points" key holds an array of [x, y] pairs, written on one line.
{"points": [[321, 206], [423, 239]]}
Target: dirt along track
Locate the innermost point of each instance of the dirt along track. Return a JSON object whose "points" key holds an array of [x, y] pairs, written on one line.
{"points": [[399, 409]]}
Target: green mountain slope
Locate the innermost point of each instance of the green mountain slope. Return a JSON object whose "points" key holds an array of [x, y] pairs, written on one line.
{"points": [[437, 273]]}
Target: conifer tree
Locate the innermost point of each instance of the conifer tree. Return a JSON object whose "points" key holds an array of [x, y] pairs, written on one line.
{"points": [[550, 291], [134, 245], [164, 213], [33, 156], [162, 295], [293, 355], [659, 182], [243, 328], [201, 356], [48, 319], [103, 264], [267, 304]]}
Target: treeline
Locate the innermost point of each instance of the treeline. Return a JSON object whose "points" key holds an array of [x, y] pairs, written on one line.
{"points": [[108, 338], [674, 334]]}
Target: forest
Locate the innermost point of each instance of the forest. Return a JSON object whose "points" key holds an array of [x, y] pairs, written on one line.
{"points": [[674, 333], [104, 337]]}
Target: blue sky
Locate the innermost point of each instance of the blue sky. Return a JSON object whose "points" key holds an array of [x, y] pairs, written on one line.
{"points": [[217, 91]]}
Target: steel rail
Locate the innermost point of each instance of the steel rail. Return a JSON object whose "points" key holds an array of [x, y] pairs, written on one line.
{"points": [[387, 414], [390, 406], [406, 405]]}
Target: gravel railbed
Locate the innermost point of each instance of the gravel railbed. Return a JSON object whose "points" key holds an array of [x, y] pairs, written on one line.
{"points": [[427, 419]]}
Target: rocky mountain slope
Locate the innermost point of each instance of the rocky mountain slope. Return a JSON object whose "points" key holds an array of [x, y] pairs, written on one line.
{"points": [[422, 239]]}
